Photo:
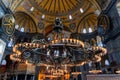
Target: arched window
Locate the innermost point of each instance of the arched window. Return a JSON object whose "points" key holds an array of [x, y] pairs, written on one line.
{"points": [[90, 30], [70, 17], [3, 62], [22, 29], [90, 64], [107, 63], [32, 9], [84, 30], [43, 16], [16, 26], [81, 10], [99, 41], [10, 44]]}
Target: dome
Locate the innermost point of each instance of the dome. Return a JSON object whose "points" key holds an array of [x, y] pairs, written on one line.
{"points": [[71, 13], [57, 7], [25, 23]]}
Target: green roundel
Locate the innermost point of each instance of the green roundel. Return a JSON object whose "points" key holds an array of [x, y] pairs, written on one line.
{"points": [[8, 24]]}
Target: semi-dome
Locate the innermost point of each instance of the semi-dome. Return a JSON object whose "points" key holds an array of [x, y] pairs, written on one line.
{"points": [[25, 23]]}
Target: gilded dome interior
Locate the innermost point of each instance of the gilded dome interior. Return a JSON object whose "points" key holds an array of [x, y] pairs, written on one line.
{"points": [[77, 38], [77, 15], [25, 23]]}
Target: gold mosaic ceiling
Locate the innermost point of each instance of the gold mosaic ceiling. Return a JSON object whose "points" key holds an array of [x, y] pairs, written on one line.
{"points": [[57, 7], [75, 14]]}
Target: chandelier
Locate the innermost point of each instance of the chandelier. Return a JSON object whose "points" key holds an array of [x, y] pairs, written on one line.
{"points": [[58, 50]]}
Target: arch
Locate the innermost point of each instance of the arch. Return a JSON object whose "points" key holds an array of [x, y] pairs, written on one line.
{"points": [[25, 21], [49, 29], [89, 20]]}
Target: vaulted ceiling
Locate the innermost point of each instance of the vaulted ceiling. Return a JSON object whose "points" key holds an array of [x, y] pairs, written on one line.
{"points": [[37, 15]]}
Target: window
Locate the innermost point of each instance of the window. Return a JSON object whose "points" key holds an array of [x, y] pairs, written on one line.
{"points": [[107, 63], [2, 48], [32, 9], [84, 30], [81, 10], [90, 30], [16, 26], [99, 41], [1, 12], [22, 29], [43, 16], [70, 17], [10, 44], [3, 62]]}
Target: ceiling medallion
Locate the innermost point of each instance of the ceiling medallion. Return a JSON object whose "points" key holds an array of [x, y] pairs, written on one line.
{"points": [[8, 24], [59, 50]]}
